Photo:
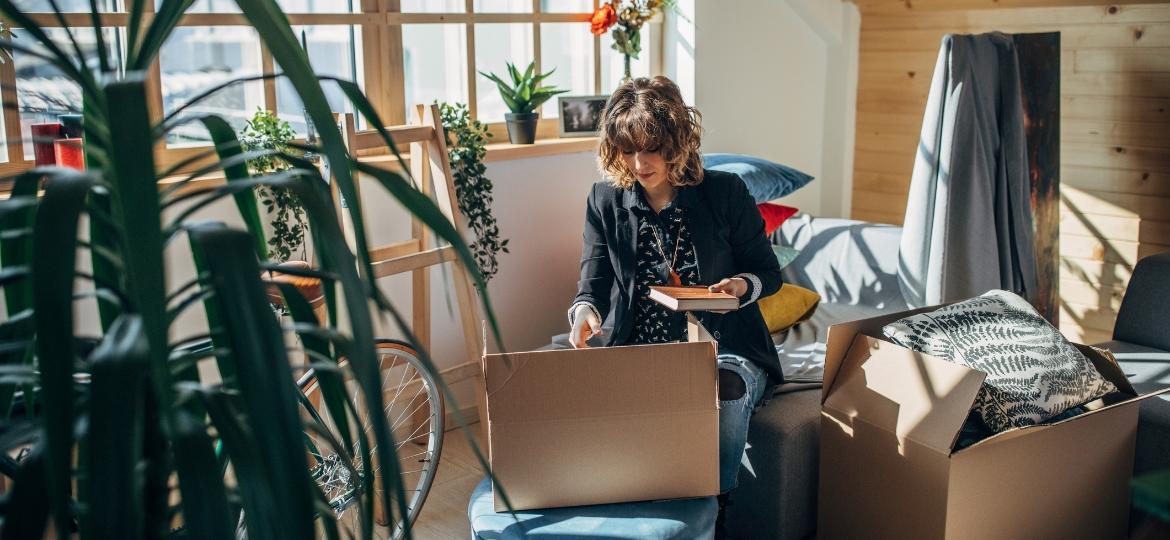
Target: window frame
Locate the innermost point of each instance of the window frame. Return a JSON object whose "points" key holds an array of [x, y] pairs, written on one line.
{"points": [[382, 63]]}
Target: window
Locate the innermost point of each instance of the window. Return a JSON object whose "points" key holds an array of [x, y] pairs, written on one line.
{"points": [[428, 50]]}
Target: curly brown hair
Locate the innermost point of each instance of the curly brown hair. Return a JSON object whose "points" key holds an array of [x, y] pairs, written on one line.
{"points": [[650, 115]]}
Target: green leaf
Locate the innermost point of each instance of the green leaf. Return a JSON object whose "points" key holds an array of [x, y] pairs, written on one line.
{"points": [[27, 510], [104, 242], [53, 262], [119, 368], [228, 146], [262, 364], [206, 512]]}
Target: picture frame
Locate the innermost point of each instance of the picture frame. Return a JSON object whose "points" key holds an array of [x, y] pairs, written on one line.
{"points": [[580, 116]]}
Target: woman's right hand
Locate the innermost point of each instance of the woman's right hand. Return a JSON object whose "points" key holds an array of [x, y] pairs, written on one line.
{"points": [[585, 325]]}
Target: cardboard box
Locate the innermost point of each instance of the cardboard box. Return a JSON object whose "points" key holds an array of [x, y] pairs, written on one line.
{"points": [[603, 425], [890, 417]]}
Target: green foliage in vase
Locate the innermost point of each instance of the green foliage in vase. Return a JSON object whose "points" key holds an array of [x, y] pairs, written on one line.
{"points": [[525, 94], [466, 148], [121, 417], [267, 132]]}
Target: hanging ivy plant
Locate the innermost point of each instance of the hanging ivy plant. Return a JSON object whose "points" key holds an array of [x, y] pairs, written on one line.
{"points": [[266, 131], [466, 147]]}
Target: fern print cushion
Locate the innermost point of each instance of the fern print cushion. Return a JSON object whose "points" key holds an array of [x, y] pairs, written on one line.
{"points": [[1033, 373]]}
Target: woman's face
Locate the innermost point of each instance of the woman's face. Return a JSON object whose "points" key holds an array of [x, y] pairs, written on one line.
{"points": [[648, 167]]}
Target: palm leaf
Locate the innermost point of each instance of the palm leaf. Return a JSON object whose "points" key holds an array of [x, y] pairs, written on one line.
{"points": [[53, 263], [117, 401]]}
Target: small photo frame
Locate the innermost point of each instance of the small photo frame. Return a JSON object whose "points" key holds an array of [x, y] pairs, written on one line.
{"points": [[580, 115]]}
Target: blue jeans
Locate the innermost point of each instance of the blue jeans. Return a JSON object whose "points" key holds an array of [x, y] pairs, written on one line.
{"points": [[734, 416]]}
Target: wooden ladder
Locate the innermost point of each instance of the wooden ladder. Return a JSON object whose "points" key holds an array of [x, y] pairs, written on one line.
{"points": [[431, 171]]}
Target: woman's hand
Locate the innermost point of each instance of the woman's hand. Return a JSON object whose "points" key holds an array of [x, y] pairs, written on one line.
{"points": [[585, 326], [736, 287]]}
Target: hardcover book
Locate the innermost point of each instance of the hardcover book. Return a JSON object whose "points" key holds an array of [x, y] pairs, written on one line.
{"points": [[693, 299]]}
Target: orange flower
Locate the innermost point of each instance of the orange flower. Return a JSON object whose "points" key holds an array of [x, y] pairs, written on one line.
{"points": [[602, 19]]}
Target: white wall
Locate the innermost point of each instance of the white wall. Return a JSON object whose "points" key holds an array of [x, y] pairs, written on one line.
{"points": [[777, 79]]}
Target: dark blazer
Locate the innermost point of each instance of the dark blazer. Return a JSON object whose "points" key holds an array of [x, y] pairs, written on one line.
{"points": [[728, 235]]}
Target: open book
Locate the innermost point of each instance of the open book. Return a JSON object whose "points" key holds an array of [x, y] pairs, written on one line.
{"points": [[693, 299]]}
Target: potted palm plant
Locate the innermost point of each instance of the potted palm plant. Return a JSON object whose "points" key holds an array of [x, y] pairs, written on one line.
{"points": [[523, 96], [117, 432]]}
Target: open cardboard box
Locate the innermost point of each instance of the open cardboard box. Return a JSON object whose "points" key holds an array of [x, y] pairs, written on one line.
{"points": [[603, 425], [889, 420]]}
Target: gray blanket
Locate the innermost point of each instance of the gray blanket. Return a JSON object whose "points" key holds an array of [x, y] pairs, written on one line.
{"points": [[968, 224]]}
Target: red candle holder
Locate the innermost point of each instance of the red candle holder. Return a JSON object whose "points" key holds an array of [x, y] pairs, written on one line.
{"points": [[69, 153], [44, 137]]}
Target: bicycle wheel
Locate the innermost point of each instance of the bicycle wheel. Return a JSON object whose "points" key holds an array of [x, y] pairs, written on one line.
{"points": [[413, 407]]}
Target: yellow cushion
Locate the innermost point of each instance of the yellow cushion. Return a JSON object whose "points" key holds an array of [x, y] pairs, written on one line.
{"points": [[790, 305]]}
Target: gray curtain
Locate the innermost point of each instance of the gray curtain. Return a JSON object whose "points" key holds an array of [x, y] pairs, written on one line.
{"points": [[968, 226]]}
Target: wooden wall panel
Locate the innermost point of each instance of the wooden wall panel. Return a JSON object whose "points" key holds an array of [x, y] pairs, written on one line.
{"points": [[1115, 128]]}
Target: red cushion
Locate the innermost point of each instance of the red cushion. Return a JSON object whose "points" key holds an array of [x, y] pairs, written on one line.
{"points": [[774, 215]]}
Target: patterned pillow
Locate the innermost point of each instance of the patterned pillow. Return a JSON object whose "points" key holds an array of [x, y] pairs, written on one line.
{"points": [[1033, 373]]}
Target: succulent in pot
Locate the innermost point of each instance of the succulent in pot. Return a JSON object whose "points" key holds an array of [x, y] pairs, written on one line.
{"points": [[523, 96]]}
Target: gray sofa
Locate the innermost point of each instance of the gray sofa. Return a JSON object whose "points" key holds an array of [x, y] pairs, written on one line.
{"points": [[853, 266], [1141, 343]]}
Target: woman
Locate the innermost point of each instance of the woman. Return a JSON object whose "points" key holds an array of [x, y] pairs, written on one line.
{"points": [[663, 220]]}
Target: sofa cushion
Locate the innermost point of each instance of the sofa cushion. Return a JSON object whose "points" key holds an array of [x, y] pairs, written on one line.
{"points": [[765, 180], [1033, 373]]}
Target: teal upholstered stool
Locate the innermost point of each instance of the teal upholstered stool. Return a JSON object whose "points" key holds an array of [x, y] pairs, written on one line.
{"points": [[674, 520]]}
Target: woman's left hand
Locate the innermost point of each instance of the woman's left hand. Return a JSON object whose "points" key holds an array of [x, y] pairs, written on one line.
{"points": [[736, 287]]}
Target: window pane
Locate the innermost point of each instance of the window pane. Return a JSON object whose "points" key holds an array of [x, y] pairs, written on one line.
{"points": [[502, 6], [568, 47], [320, 6], [566, 6], [43, 92], [208, 6], [196, 58], [495, 44], [67, 6], [611, 60], [433, 6], [331, 52], [434, 59]]}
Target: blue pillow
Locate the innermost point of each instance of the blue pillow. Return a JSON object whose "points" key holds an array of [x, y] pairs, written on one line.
{"points": [[765, 180]]}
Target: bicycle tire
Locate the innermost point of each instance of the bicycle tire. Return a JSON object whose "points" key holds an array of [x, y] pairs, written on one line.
{"points": [[434, 433]]}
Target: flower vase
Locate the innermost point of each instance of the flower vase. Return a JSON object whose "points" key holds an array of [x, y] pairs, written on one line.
{"points": [[626, 67]]}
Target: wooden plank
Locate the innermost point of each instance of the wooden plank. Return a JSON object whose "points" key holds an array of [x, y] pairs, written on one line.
{"points": [[1117, 204], [1117, 181], [1117, 157], [1080, 292], [919, 6], [401, 135], [410, 262], [893, 184], [1106, 250], [1111, 108], [1152, 85], [890, 101], [1113, 134], [879, 142], [882, 122], [1086, 316], [1072, 37], [878, 217], [1097, 273], [882, 203], [1122, 60], [1114, 228], [899, 162], [897, 61], [394, 250], [1078, 334], [1049, 17]]}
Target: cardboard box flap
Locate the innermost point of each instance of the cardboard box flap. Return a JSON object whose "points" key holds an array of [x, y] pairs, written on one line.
{"points": [[840, 340], [651, 379], [916, 396], [1107, 366]]}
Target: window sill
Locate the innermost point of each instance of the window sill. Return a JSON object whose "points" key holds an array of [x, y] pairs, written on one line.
{"points": [[495, 152]]}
